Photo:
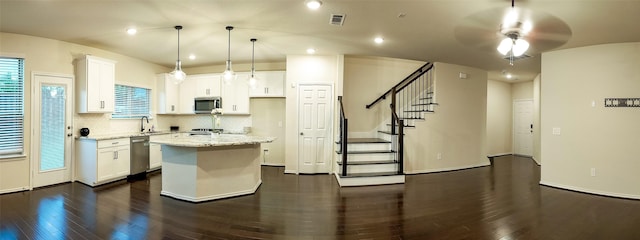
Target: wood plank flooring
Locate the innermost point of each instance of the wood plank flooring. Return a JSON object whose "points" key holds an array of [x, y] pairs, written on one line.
{"points": [[500, 202]]}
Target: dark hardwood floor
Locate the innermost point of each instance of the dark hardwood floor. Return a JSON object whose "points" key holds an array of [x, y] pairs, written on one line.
{"points": [[499, 202]]}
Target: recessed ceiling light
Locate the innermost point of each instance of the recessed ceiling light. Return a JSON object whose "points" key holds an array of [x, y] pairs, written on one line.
{"points": [[378, 40], [192, 56], [132, 31], [509, 76], [311, 51], [313, 4]]}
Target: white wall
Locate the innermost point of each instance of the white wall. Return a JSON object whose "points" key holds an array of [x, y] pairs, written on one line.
{"points": [[53, 56], [604, 139], [536, 120], [499, 118], [457, 129], [303, 69]]}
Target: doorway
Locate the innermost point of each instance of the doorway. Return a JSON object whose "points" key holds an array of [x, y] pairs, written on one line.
{"points": [[523, 127], [315, 127], [51, 120]]}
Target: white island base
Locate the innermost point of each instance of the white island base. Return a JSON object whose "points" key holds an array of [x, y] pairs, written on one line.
{"points": [[199, 174]]}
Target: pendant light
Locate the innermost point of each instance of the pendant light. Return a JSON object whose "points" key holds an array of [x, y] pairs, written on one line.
{"points": [[177, 73], [228, 75], [252, 80]]}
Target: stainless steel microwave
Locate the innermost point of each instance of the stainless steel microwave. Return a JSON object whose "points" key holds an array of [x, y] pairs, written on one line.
{"points": [[206, 104]]}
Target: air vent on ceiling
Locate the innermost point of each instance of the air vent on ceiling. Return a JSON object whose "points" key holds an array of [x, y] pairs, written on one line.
{"points": [[523, 56], [337, 19]]}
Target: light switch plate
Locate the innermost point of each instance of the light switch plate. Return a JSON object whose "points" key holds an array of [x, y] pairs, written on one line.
{"points": [[556, 131]]}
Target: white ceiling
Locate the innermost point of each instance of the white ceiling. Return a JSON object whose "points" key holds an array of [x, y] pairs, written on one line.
{"points": [[453, 31]]}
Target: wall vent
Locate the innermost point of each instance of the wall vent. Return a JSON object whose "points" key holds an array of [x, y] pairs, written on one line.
{"points": [[337, 19]]}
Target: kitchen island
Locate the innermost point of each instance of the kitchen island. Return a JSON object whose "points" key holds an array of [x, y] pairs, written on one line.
{"points": [[201, 167]]}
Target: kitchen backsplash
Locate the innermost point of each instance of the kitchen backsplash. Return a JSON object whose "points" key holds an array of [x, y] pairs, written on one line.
{"points": [[101, 124]]}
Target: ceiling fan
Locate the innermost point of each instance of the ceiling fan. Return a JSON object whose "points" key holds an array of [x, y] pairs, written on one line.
{"points": [[515, 32]]}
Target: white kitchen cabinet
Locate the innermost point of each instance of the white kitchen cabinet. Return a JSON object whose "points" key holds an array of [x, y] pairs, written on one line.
{"points": [[95, 79], [186, 96], [235, 95], [167, 94], [207, 85], [269, 84], [102, 161], [155, 154]]}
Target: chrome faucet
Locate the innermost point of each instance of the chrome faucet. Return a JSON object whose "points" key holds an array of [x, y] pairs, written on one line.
{"points": [[142, 123]]}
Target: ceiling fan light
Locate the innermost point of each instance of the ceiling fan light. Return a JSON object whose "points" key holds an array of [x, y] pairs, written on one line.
{"points": [[520, 47], [505, 46]]}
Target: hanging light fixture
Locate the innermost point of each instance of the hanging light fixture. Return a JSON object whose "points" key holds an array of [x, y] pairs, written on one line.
{"points": [[252, 80], [513, 30], [177, 73], [228, 73]]}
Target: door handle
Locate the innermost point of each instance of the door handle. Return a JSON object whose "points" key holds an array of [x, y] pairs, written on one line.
{"points": [[69, 134], [301, 134]]}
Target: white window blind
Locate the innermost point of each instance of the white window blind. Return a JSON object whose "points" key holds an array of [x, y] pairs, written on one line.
{"points": [[131, 102], [11, 106]]}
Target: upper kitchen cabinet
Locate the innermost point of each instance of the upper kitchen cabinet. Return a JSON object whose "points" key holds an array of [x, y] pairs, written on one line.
{"points": [[167, 94], [207, 85], [95, 78], [235, 95], [187, 94], [269, 84]]}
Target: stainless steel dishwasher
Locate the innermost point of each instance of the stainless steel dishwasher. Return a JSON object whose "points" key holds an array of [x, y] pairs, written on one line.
{"points": [[139, 155]]}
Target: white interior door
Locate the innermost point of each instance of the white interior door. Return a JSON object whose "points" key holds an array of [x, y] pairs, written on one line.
{"points": [[523, 127], [52, 132], [315, 128]]}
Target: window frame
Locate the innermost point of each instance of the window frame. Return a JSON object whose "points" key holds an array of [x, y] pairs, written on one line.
{"points": [[115, 115], [21, 76]]}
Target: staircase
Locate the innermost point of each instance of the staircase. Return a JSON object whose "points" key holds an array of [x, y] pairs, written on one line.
{"points": [[379, 160]]}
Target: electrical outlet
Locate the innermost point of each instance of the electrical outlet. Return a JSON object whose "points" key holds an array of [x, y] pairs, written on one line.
{"points": [[593, 172], [439, 156]]}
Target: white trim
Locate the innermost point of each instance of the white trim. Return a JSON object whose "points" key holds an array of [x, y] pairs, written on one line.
{"points": [[368, 181], [272, 164], [289, 171], [448, 169], [36, 114], [536, 160], [590, 191], [13, 55], [18, 189], [499, 154], [212, 197]]}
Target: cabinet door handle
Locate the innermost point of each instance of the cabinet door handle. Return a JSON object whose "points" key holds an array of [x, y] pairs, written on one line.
{"points": [[173, 107]]}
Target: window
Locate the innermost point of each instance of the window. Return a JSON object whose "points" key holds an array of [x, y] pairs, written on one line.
{"points": [[11, 106], [131, 102]]}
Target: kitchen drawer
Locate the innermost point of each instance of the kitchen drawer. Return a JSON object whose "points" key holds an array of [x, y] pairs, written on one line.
{"points": [[113, 142]]}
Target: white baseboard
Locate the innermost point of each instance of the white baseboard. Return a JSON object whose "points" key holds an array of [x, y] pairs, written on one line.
{"points": [[288, 171], [447, 169], [273, 164], [18, 189], [499, 154], [536, 160], [590, 191]]}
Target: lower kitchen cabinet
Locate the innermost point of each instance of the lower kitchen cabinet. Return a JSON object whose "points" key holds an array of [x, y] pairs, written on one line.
{"points": [[102, 161], [155, 154]]}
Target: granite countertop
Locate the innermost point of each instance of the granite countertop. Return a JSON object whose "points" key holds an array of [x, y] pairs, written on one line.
{"points": [[209, 141], [122, 135]]}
